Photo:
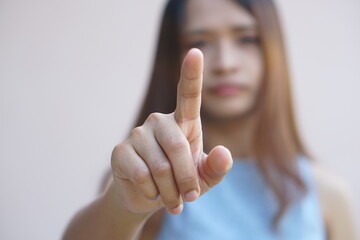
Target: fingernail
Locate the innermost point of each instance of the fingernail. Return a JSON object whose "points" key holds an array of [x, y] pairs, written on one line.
{"points": [[191, 196], [176, 210]]}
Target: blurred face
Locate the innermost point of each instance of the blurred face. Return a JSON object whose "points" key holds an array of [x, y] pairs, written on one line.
{"points": [[233, 68]]}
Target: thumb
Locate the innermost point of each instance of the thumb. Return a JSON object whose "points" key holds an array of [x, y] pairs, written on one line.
{"points": [[214, 167]]}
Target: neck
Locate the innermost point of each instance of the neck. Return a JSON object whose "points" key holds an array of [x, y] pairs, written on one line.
{"points": [[236, 135]]}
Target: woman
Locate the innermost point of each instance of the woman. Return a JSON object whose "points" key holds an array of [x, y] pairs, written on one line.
{"points": [[240, 79]]}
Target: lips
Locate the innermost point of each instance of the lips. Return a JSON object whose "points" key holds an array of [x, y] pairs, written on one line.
{"points": [[228, 89]]}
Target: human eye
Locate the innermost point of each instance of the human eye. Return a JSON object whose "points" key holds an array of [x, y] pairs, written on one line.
{"points": [[197, 44], [249, 40]]}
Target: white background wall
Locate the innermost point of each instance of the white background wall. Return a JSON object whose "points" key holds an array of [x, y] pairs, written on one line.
{"points": [[73, 72]]}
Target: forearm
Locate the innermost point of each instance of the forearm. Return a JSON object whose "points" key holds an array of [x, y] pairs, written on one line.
{"points": [[105, 219]]}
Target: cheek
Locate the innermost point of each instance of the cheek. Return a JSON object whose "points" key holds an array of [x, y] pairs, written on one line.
{"points": [[255, 68], [251, 72]]}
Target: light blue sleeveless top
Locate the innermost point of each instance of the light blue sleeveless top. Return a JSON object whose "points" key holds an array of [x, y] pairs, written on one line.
{"points": [[242, 207]]}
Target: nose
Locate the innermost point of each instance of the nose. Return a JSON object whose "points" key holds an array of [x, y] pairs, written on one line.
{"points": [[224, 61]]}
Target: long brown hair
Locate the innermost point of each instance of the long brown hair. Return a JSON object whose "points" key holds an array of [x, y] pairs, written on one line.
{"points": [[276, 142]]}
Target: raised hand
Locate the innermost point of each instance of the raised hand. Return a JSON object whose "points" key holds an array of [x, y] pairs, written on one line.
{"points": [[162, 163]]}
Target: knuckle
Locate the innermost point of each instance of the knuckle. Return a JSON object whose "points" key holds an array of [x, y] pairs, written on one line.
{"points": [[155, 117], [136, 132], [141, 176], [118, 150], [177, 144], [162, 169], [116, 157], [190, 94]]}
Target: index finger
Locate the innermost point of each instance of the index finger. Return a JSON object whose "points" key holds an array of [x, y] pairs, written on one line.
{"points": [[189, 88]]}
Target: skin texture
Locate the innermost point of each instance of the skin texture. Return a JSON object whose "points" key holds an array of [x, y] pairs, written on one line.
{"points": [[160, 165], [163, 162], [233, 67], [336, 204], [233, 70]]}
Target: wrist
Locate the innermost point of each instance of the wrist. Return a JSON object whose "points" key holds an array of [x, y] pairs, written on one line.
{"points": [[113, 204]]}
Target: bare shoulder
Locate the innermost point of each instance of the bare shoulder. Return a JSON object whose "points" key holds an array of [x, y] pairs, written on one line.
{"points": [[329, 185], [336, 203]]}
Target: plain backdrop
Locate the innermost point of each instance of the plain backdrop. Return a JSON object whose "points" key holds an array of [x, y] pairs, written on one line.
{"points": [[73, 74]]}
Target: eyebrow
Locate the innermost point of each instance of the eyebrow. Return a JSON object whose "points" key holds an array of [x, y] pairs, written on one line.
{"points": [[241, 28]]}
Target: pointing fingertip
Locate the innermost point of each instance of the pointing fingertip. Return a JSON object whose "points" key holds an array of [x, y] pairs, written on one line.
{"points": [[195, 51]]}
